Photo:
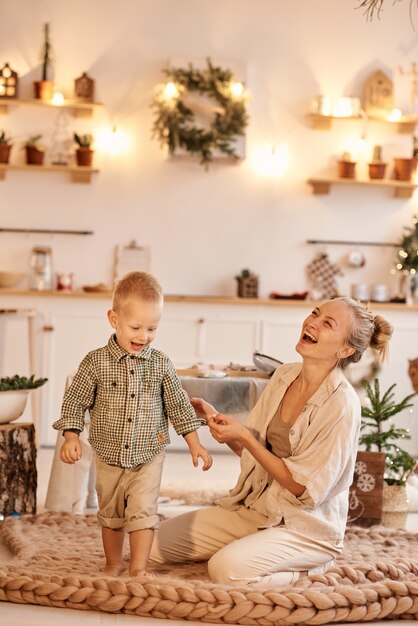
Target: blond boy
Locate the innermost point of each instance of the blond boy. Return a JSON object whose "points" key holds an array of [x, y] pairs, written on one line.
{"points": [[131, 392]]}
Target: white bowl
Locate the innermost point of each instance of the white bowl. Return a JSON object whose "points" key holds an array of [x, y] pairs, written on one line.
{"points": [[12, 404], [10, 279]]}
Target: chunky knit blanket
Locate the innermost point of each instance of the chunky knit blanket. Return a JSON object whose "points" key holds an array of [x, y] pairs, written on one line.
{"points": [[58, 558]]}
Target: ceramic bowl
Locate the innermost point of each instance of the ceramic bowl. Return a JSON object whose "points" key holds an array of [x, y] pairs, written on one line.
{"points": [[10, 279], [12, 404]]}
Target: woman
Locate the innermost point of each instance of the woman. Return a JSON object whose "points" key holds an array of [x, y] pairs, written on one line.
{"points": [[287, 514]]}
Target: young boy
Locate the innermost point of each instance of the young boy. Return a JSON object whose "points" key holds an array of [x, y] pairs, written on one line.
{"points": [[131, 391]]}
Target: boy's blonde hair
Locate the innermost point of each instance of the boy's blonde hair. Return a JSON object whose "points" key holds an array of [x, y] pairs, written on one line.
{"points": [[137, 285]]}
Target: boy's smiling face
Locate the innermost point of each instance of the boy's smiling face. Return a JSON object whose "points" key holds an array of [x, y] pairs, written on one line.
{"points": [[135, 324]]}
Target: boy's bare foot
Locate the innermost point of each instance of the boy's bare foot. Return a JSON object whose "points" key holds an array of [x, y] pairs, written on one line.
{"points": [[140, 573], [113, 570]]}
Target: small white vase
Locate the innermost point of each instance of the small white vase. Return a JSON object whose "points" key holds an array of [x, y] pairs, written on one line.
{"points": [[12, 404]]}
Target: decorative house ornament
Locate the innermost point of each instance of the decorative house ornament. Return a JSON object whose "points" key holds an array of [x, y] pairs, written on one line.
{"points": [[84, 88], [378, 94], [247, 284], [9, 82], [213, 95]]}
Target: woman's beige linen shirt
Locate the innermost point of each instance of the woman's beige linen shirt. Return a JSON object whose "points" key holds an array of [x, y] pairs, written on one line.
{"points": [[323, 441]]}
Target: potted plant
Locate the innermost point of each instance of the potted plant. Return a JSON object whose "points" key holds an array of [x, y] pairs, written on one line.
{"points": [[377, 167], [84, 153], [44, 89], [14, 391], [35, 150], [346, 166], [381, 435], [5, 147]]}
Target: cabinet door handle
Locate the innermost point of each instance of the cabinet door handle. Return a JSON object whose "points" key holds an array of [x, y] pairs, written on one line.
{"points": [[48, 328], [201, 320]]}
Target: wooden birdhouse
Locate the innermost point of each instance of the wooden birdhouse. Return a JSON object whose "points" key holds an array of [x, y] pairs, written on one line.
{"points": [[378, 93], [247, 285], [9, 82], [84, 88]]}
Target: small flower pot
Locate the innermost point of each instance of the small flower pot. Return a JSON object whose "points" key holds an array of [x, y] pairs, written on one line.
{"points": [[43, 89], [5, 152], [346, 169], [403, 168], [377, 170], [84, 157], [34, 156]]}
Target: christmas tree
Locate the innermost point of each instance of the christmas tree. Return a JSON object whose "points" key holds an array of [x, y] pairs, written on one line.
{"points": [[382, 435], [408, 253]]}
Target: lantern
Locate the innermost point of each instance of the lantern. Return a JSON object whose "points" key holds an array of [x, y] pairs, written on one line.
{"points": [[8, 82]]}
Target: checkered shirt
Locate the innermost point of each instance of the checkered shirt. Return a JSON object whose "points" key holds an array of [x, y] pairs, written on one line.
{"points": [[131, 400]]}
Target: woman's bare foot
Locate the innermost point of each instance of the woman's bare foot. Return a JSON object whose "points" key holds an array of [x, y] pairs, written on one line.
{"points": [[113, 570], [140, 573]]}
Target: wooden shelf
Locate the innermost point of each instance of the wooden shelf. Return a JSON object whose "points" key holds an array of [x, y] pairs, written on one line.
{"points": [[401, 189], [78, 174], [324, 122], [406, 124], [78, 108]]}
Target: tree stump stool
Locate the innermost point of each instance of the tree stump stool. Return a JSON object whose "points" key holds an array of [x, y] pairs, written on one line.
{"points": [[18, 475]]}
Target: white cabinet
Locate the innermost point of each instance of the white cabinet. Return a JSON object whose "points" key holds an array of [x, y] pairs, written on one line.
{"points": [[209, 330], [207, 333]]}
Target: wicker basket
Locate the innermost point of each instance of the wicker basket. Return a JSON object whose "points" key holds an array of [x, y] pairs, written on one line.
{"points": [[395, 506]]}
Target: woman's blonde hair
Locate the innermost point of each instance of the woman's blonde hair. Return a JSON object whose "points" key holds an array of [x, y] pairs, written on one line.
{"points": [[368, 330], [138, 285]]}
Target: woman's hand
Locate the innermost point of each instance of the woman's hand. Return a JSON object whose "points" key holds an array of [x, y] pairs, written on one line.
{"points": [[227, 429], [203, 409]]}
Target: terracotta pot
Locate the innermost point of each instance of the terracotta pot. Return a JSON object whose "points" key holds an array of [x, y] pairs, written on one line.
{"points": [[84, 156], [403, 168], [44, 89], [377, 170], [346, 169], [5, 152], [34, 156]]}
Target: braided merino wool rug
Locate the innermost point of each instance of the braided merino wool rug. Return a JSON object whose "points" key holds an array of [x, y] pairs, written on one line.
{"points": [[58, 558]]}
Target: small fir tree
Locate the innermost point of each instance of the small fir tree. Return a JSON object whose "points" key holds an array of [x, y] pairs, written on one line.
{"points": [[408, 253], [382, 435]]}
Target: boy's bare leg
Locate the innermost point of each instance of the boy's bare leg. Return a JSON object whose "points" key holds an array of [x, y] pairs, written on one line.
{"points": [[140, 542], [113, 546]]}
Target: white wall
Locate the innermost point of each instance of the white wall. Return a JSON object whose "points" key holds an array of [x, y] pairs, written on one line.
{"points": [[204, 227]]}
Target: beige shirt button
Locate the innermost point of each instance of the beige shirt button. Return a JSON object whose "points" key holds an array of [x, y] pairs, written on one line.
{"points": [[292, 432]]}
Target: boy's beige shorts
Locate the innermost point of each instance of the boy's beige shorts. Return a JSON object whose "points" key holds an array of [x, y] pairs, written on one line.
{"points": [[128, 495]]}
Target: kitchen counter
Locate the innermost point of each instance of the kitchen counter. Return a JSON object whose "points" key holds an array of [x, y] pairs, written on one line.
{"points": [[79, 293]]}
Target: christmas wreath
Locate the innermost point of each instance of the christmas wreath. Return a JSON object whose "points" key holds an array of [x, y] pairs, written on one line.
{"points": [[408, 253], [174, 123]]}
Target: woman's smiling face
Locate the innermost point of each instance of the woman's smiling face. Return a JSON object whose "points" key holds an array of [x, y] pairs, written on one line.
{"points": [[325, 332]]}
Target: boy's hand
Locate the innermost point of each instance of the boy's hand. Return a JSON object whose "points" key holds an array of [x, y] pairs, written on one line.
{"points": [[200, 451], [71, 448]]}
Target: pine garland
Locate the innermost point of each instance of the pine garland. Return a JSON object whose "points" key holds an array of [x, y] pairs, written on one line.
{"points": [[174, 122], [375, 7]]}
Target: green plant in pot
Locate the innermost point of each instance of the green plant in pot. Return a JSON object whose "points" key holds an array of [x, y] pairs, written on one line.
{"points": [[379, 434], [14, 392], [5, 147], [377, 167], [35, 150], [84, 153], [44, 88], [346, 166]]}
